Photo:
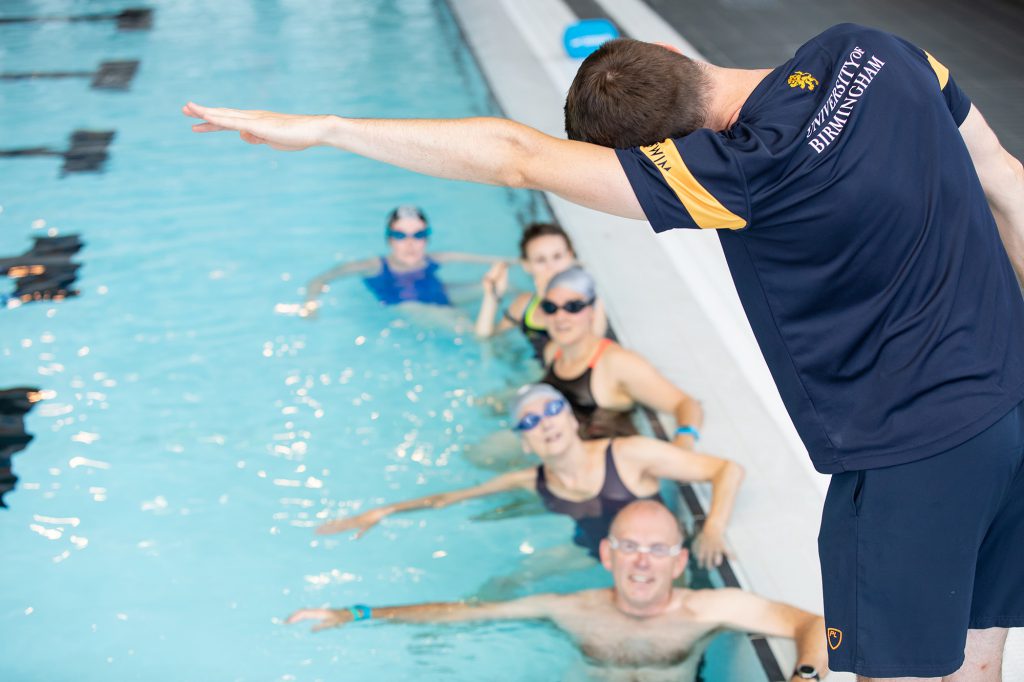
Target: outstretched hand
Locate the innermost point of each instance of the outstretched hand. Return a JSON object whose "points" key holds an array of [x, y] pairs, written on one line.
{"points": [[329, 618], [361, 523], [286, 132]]}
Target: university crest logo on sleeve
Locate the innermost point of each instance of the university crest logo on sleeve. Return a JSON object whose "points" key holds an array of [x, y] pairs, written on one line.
{"points": [[802, 80], [835, 638]]}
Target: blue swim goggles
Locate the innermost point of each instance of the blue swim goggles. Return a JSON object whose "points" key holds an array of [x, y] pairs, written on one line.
{"points": [[399, 235], [530, 420]]}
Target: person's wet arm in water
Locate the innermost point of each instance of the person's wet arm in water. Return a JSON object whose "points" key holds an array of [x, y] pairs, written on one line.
{"points": [[318, 284], [539, 606], [361, 523]]}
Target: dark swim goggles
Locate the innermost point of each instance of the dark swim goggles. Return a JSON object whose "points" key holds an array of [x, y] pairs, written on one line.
{"points": [[530, 420], [399, 235], [572, 307]]}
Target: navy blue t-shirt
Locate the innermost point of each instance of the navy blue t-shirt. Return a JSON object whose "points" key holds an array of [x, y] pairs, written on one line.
{"points": [[862, 247]]}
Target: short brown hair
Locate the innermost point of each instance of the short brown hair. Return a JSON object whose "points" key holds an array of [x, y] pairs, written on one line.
{"points": [[629, 93], [535, 230]]}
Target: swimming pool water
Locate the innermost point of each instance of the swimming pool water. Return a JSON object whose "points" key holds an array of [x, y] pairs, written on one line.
{"points": [[194, 433]]}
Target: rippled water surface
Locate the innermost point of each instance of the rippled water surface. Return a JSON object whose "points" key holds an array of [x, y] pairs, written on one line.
{"points": [[194, 433]]}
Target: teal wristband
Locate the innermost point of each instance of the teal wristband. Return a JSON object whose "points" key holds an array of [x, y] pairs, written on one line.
{"points": [[688, 431], [360, 612]]}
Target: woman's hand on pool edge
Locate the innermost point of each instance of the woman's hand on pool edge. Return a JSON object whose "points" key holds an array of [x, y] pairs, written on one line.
{"points": [[709, 548], [285, 132], [329, 618], [360, 523]]}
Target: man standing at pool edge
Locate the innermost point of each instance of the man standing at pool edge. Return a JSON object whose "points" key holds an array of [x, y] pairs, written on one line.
{"points": [[852, 184]]}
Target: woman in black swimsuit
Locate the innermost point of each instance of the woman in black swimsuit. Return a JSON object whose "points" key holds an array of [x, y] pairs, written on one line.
{"points": [[545, 250], [587, 480], [602, 380]]}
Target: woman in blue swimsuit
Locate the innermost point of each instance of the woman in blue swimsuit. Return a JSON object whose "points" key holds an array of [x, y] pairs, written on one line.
{"points": [[590, 481], [406, 274]]}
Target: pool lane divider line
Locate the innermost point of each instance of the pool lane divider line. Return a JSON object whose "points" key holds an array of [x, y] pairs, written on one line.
{"points": [[131, 19], [86, 153], [111, 75]]}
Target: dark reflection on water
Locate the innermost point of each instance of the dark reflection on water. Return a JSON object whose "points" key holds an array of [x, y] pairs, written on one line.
{"points": [[14, 404], [44, 272]]}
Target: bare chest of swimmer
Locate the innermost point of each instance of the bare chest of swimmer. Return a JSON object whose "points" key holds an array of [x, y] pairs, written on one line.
{"points": [[620, 640]]}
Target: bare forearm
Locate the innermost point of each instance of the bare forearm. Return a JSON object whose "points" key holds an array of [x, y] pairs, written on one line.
{"points": [[810, 644], [487, 150], [1008, 209], [485, 318], [688, 412], [441, 612], [724, 487]]}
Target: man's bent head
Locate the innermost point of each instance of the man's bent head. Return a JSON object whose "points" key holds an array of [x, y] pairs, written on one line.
{"points": [[629, 93]]}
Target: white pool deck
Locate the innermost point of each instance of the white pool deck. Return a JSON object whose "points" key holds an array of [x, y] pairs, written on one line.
{"points": [[671, 298]]}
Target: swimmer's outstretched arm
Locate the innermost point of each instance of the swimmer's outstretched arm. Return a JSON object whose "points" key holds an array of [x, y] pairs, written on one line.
{"points": [[1002, 178], [747, 612], [491, 151], [317, 285], [463, 257], [525, 478], [537, 606], [664, 460]]}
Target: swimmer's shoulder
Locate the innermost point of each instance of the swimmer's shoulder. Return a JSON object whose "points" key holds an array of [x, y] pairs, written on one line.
{"points": [[714, 606], [517, 308]]}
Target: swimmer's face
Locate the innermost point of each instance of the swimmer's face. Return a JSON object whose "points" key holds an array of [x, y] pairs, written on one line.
{"points": [[643, 580], [564, 327], [553, 435], [546, 256], [409, 251]]}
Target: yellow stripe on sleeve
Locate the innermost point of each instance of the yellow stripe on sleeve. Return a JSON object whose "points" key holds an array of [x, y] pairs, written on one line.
{"points": [[707, 211], [941, 72]]}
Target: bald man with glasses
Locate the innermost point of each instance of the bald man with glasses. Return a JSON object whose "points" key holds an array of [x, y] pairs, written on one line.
{"points": [[641, 623]]}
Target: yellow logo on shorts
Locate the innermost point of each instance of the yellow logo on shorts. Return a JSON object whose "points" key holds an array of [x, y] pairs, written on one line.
{"points": [[835, 638], [802, 80]]}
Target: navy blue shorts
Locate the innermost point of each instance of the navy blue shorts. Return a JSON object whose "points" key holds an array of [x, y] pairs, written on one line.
{"points": [[914, 555]]}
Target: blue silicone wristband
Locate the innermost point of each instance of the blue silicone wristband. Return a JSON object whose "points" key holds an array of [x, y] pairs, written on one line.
{"points": [[360, 612], [688, 431]]}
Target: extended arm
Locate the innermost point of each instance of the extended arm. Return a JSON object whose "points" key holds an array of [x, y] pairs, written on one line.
{"points": [[1002, 178], [663, 460], [536, 606], [491, 151], [319, 283], [748, 612], [462, 257], [647, 386], [367, 520]]}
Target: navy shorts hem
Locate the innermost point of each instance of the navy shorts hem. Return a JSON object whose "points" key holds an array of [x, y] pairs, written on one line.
{"points": [[932, 670], [985, 622]]}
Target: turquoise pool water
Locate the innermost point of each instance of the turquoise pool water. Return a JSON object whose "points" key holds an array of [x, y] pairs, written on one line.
{"points": [[194, 432]]}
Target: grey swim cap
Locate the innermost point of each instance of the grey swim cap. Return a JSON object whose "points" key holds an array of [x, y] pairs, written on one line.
{"points": [[575, 279], [406, 211], [529, 393]]}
